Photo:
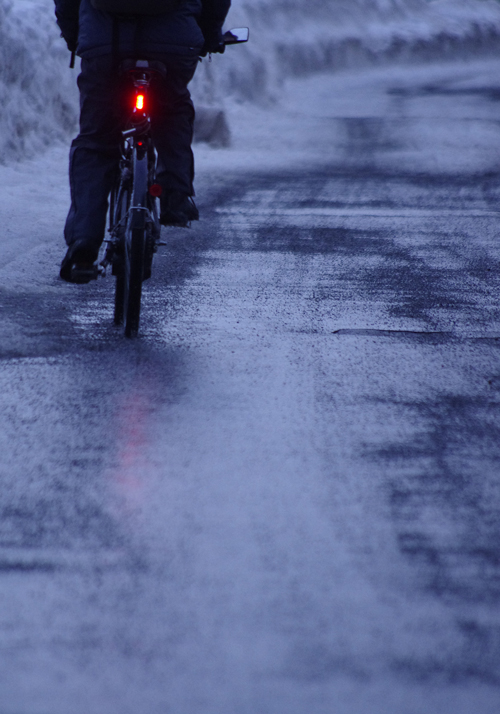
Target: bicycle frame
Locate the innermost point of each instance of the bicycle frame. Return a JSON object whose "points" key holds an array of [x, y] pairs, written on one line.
{"points": [[134, 221]]}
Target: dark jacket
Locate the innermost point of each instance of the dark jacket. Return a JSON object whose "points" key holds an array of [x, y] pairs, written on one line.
{"points": [[182, 31]]}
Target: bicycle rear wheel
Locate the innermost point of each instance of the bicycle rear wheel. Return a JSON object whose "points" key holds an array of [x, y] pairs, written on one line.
{"points": [[121, 204], [135, 245]]}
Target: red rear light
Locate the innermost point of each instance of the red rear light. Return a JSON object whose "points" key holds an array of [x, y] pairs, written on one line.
{"points": [[155, 190], [139, 102]]}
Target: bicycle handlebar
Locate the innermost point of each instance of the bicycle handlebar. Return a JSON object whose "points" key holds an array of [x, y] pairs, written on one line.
{"points": [[232, 37]]}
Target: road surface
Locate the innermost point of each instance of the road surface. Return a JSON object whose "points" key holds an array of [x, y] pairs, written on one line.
{"points": [[283, 497]]}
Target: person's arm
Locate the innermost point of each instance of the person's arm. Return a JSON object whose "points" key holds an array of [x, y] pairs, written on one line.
{"points": [[67, 12], [212, 19]]}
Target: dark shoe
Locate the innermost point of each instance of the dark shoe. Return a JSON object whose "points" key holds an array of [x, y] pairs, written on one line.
{"points": [[78, 263], [177, 209]]}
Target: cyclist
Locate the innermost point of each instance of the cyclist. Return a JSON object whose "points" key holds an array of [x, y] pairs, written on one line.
{"points": [[176, 38]]}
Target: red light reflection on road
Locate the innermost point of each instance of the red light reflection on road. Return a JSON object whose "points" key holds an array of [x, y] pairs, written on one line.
{"points": [[129, 474]]}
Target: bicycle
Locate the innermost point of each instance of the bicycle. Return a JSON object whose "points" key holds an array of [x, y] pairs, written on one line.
{"points": [[134, 224]]}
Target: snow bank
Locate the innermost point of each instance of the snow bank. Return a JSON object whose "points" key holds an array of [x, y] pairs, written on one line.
{"points": [[288, 37], [37, 93], [297, 37]]}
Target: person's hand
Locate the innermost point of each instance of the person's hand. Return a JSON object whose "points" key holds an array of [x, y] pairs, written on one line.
{"points": [[71, 41], [214, 43]]}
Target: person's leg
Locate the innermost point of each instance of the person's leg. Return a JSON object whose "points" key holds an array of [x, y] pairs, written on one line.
{"points": [[172, 128], [94, 154]]}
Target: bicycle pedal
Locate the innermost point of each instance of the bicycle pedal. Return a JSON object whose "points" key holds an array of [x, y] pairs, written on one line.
{"points": [[81, 274]]}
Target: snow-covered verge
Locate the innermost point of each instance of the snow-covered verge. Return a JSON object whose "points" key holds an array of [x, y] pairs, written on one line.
{"points": [[298, 37], [37, 93], [289, 38]]}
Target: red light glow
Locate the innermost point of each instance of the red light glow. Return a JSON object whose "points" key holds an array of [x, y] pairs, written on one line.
{"points": [[155, 190], [139, 102]]}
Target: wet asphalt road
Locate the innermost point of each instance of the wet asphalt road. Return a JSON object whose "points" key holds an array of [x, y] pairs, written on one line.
{"points": [[284, 496]]}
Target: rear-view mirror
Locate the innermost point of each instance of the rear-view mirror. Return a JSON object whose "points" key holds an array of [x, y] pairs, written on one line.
{"points": [[239, 34]]}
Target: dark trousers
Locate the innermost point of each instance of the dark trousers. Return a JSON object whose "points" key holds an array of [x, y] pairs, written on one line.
{"points": [[106, 101]]}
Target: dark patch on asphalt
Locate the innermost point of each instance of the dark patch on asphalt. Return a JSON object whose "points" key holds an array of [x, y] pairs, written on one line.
{"points": [[60, 522], [492, 94], [413, 335], [437, 471], [370, 135], [10, 567], [476, 657], [446, 514], [405, 282], [438, 468], [320, 662], [386, 268], [453, 668], [359, 187]]}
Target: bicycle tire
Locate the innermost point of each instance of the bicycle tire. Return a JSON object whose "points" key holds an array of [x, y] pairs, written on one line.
{"points": [[122, 203], [119, 296], [135, 244]]}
